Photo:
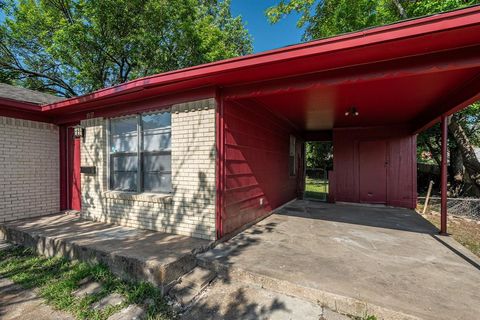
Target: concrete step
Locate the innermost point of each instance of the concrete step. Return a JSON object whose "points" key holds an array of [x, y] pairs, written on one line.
{"points": [[131, 254], [331, 301], [238, 300], [191, 285]]}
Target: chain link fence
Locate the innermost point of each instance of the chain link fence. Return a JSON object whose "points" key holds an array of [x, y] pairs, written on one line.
{"points": [[463, 207]]}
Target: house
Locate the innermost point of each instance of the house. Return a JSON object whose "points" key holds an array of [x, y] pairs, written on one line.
{"points": [[206, 150]]}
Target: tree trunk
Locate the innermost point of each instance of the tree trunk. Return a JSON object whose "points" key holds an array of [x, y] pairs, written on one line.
{"points": [[456, 172], [470, 161]]}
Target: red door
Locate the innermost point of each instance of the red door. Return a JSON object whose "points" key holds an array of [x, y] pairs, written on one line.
{"points": [[74, 181], [373, 171]]}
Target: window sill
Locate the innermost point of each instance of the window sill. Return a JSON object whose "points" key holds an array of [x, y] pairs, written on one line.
{"points": [[145, 197]]}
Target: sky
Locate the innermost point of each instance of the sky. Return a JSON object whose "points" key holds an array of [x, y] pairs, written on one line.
{"points": [[267, 36]]}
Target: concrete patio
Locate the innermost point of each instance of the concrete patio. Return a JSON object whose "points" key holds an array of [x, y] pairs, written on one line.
{"points": [[132, 254], [357, 260]]}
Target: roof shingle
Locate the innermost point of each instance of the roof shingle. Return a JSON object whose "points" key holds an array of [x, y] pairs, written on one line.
{"points": [[26, 95]]}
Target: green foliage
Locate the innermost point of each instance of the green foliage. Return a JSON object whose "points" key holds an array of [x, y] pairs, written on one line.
{"points": [[58, 278], [77, 46], [331, 17], [428, 141], [419, 8], [319, 155]]}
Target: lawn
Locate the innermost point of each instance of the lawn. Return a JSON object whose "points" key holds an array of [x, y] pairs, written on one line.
{"points": [[316, 189], [57, 278], [465, 231]]}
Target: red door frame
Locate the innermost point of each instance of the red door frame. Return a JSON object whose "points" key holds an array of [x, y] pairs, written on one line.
{"points": [[70, 179]]}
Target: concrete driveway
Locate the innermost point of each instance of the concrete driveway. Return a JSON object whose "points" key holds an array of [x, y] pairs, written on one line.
{"points": [[357, 260]]}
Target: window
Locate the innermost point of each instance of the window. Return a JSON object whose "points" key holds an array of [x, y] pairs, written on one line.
{"points": [[292, 161], [140, 153]]}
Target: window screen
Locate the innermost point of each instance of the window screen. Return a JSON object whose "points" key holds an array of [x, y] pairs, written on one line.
{"points": [[156, 153], [146, 137], [124, 154]]}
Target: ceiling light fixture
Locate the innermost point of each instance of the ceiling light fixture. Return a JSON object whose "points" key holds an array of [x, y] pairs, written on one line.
{"points": [[352, 112]]}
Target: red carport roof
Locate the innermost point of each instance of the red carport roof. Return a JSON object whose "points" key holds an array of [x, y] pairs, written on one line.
{"points": [[446, 44]]}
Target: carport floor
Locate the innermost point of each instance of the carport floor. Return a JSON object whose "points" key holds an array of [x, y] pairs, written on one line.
{"points": [[386, 257]]}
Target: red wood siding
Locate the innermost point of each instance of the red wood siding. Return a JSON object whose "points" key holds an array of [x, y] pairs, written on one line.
{"points": [[401, 168], [256, 164], [372, 157], [402, 172]]}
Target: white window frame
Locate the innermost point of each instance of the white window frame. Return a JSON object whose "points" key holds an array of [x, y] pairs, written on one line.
{"points": [[139, 152]]}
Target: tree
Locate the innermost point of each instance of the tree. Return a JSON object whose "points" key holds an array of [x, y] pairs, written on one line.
{"points": [[319, 155], [465, 149], [72, 47], [327, 18], [331, 17]]}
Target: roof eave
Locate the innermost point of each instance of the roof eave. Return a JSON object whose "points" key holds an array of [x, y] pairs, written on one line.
{"points": [[402, 30]]}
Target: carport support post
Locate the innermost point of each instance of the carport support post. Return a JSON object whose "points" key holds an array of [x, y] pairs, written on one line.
{"points": [[443, 211]]}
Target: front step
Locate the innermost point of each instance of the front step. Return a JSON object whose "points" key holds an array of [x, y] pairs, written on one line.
{"points": [[124, 250], [191, 285], [338, 303]]}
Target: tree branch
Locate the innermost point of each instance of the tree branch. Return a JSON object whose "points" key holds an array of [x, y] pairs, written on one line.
{"points": [[55, 81], [400, 8]]}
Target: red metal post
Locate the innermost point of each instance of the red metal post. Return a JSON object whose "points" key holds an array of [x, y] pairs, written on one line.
{"points": [[443, 212]]}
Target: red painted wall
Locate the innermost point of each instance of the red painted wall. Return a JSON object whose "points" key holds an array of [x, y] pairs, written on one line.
{"points": [[401, 176], [256, 164]]}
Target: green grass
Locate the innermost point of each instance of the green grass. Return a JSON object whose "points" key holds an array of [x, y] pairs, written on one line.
{"points": [[467, 233], [315, 189], [57, 279]]}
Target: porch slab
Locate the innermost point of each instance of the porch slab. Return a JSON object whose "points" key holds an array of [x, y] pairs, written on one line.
{"points": [[132, 254], [356, 260]]}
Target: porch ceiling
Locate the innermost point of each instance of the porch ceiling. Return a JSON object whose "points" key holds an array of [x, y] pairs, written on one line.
{"points": [[390, 100]]}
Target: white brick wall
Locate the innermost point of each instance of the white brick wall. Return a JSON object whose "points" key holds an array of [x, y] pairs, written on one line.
{"points": [[190, 210], [29, 169]]}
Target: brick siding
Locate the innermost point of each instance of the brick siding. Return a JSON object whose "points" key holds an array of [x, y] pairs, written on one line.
{"points": [[29, 169], [190, 208]]}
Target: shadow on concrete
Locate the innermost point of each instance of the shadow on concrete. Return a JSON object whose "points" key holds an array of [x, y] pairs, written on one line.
{"points": [[372, 216], [237, 304], [384, 256], [457, 252]]}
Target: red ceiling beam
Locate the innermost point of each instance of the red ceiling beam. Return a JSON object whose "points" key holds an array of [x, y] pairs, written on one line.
{"points": [[464, 58], [464, 95]]}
